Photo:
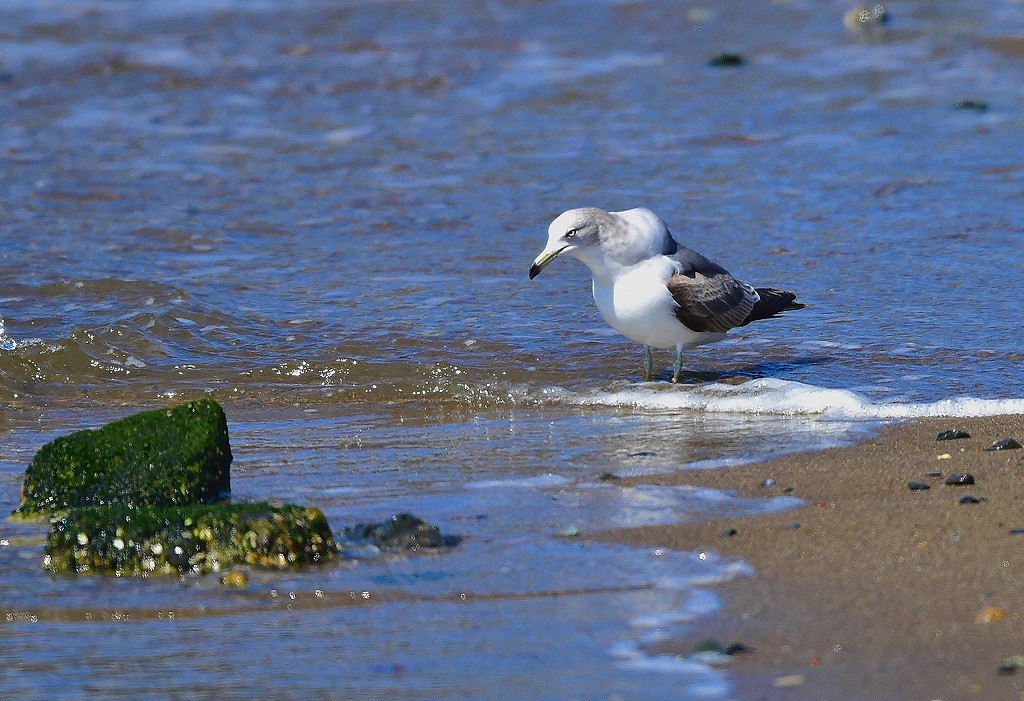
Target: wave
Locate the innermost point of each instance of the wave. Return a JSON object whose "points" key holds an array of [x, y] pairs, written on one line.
{"points": [[171, 345], [6, 342], [172, 352], [787, 398]]}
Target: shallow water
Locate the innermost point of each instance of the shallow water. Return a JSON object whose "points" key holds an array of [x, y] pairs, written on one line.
{"points": [[322, 213]]}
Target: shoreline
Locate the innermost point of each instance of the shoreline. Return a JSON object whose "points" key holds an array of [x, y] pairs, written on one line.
{"points": [[871, 589]]}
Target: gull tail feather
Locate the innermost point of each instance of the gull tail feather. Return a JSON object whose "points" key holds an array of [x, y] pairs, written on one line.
{"points": [[772, 303]]}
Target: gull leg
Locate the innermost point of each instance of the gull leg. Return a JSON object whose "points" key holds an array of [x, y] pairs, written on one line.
{"points": [[677, 368], [648, 364]]}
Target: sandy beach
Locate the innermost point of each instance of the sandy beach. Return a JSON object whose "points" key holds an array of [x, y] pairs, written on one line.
{"points": [[872, 590]]}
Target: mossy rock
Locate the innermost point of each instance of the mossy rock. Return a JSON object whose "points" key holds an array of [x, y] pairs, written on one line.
{"points": [[188, 539], [400, 532], [166, 457]]}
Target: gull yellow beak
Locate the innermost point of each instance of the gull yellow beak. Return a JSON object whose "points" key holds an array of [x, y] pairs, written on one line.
{"points": [[542, 261]]}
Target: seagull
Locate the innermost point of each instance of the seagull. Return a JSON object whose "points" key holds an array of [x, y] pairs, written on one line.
{"points": [[653, 290]]}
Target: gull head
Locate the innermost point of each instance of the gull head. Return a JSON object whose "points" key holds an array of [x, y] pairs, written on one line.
{"points": [[605, 240], [571, 232]]}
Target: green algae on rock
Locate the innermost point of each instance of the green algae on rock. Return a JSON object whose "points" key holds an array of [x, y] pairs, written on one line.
{"points": [[187, 539], [400, 532], [165, 457]]}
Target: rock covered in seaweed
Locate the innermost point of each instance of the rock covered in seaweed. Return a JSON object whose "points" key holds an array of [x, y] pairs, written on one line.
{"points": [[187, 540], [165, 457]]}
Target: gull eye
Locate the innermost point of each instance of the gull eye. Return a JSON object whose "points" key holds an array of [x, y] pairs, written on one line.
{"points": [[571, 233]]}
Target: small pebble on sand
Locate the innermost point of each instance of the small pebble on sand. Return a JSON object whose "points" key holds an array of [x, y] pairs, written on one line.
{"points": [[1011, 664], [960, 479], [1005, 444], [990, 614], [952, 435], [789, 681]]}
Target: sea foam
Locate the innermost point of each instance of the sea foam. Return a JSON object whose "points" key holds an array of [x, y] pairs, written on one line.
{"points": [[787, 398]]}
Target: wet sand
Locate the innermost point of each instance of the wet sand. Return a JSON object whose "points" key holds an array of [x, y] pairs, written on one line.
{"points": [[880, 592]]}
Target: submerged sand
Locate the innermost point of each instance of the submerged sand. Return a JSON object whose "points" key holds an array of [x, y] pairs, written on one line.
{"points": [[871, 590]]}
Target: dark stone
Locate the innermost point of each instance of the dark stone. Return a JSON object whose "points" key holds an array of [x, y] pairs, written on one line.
{"points": [[727, 60], [970, 500], [1017, 531], [788, 490], [768, 483], [609, 477], [867, 17], [933, 473], [729, 532], [710, 645], [1005, 444], [400, 532], [166, 457], [952, 435], [917, 486], [960, 479], [794, 525], [1011, 664], [187, 539], [973, 105]]}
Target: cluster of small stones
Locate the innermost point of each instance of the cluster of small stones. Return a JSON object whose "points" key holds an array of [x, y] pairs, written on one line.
{"points": [[962, 479]]}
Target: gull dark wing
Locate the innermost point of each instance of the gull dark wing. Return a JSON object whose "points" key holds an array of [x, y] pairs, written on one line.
{"points": [[772, 302], [709, 298]]}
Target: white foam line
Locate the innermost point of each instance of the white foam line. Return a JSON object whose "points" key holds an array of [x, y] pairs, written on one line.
{"points": [[701, 604], [785, 398], [548, 479], [702, 680]]}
